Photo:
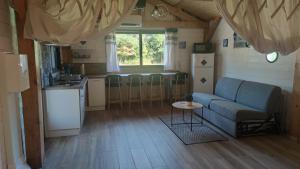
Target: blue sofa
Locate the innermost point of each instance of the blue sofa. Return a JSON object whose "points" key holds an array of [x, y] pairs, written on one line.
{"points": [[236, 101]]}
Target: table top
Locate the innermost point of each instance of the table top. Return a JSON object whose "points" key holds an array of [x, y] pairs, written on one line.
{"points": [[187, 105]]}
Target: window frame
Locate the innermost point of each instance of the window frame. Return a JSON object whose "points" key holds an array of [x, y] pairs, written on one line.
{"points": [[140, 33]]}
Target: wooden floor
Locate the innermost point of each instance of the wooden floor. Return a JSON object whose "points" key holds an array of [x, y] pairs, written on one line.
{"points": [[137, 139]]}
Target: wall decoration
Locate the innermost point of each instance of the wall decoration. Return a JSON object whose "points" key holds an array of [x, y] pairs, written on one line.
{"points": [[182, 45], [225, 43], [239, 42], [272, 57]]}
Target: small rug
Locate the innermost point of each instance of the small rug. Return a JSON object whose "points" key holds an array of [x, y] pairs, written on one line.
{"points": [[201, 133]]}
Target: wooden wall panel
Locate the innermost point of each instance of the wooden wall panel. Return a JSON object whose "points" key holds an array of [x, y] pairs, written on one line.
{"points": [[34, 138]]}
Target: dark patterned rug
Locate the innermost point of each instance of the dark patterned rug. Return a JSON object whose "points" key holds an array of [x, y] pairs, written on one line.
{"points": [[201, 133]]}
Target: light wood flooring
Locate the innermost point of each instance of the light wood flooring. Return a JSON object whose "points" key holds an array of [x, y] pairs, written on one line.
{"points": [[137, 139]]}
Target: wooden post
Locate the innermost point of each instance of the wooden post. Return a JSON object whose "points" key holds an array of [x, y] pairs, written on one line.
{"points": [[31, 102], [295, 110]]}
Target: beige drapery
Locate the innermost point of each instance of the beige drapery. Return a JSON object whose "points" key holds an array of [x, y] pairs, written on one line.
{"points": [[268, 25], [70, 21]]}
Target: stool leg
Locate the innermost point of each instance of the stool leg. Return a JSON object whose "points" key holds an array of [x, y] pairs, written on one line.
{"points": [[120, 96], [161, 95], [108, 99], [141, 96], [129, 99], [151, 94]]}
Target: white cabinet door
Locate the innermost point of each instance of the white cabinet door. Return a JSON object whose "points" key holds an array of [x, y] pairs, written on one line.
{"points": [[96, 91], [63, 110]]}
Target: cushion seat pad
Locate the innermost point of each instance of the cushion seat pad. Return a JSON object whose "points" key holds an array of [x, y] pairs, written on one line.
{"points": [[236, 112], [205, 99]]}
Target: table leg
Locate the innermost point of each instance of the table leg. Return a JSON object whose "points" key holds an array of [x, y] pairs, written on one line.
{"points": [[202, 116], [191, 120], [183, 115], [172, 116]]}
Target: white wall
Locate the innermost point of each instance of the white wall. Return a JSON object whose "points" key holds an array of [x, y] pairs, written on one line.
{"points": [[248, 64], [191, 36]]}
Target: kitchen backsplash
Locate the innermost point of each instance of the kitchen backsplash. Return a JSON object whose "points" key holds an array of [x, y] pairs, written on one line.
{"points": [[90, 68]]}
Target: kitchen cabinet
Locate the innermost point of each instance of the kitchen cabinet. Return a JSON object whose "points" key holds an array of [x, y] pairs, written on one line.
{"points": [[65, 110], [96, 94]]}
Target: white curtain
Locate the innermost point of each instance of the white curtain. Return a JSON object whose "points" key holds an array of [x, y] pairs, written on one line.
{"points": [[112, 62], [71, 21], [268, 25], [170, 50]]}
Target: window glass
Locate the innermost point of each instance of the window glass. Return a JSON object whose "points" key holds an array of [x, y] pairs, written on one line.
{"points": [[128, 50], [272, 57], [153, 49], [140, 48]]}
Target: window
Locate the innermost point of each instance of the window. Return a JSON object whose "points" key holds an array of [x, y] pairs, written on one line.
{"points": [[140, 48], [272, 57]]}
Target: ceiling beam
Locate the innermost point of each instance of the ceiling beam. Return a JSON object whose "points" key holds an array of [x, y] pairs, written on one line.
{"points": [[178, 12], [212, 26], [173, 24]]}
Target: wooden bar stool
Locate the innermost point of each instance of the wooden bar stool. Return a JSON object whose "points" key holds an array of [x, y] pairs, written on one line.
{"points": [[135, 82], [114, 81], [156, 80], [178, 83]]}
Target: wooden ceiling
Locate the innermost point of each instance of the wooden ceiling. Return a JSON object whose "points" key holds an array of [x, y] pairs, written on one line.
{"points": [[203, 9]]}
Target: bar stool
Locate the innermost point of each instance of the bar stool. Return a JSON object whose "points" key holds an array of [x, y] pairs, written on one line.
{"points": [[179, 82], [156, 80], [135, 82], [114, 81]]}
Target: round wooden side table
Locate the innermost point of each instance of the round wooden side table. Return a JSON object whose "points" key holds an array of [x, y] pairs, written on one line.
{"points": [[186, 105]]}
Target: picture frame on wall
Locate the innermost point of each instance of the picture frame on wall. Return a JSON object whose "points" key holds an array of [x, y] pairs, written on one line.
{"points": [[225, 43], [182, 45], [239, 42]]}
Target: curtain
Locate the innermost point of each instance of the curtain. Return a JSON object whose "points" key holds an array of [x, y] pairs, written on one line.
{"points": [[112, 62], [268, 25], [71, 21], [170, 49]]}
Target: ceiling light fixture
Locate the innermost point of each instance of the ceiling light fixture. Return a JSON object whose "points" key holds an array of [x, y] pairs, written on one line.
{"points": [[159, 11]]}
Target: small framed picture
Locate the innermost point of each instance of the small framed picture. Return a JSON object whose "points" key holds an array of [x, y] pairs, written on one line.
{"points": [[225, 43], [182, 45]]}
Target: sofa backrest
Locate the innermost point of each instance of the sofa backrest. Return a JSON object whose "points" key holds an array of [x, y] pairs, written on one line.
{"points": [[228, 87], [260, 96]]}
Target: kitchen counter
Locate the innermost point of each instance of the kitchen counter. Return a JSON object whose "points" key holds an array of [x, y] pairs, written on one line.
{"points": [[72, 85], [127, 74]]}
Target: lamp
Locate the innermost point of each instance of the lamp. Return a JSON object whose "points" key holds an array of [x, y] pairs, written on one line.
{"points": [[159, 11]]}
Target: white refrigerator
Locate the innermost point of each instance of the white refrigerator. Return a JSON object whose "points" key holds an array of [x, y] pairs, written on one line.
{"points": [[203, 72]]}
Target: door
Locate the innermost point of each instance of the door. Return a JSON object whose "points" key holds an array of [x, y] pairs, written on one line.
{"points": [[96, 92]]}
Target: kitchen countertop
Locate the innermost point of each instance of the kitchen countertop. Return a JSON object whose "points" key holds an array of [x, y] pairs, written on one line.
{"points": [[127, 74], [66, 86]]}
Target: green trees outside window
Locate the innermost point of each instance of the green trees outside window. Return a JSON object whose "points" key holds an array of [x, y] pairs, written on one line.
{"points": [[140, 48]]}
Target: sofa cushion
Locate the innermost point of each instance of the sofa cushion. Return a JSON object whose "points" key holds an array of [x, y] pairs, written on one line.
{"points": [[260, 96], [205, 98], [236, 112], [228, 87]]}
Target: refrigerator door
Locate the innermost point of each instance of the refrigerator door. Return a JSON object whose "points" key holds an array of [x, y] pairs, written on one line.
{"points": [[203, 60], [203, 80]]}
